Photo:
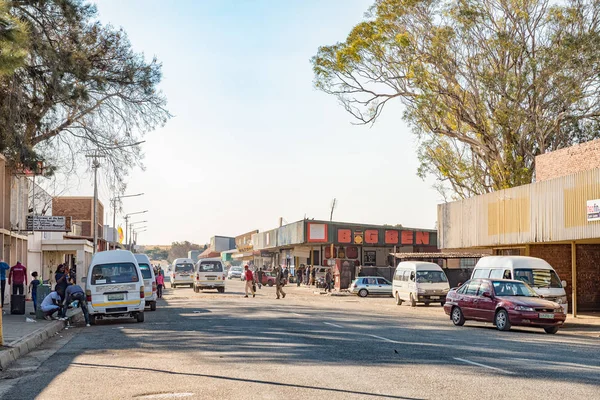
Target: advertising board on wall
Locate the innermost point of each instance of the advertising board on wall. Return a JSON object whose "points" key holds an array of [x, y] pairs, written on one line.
{"points": [[47, 223], [593, 210]]}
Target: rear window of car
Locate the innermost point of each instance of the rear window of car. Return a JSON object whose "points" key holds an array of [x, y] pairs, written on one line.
{"points": [[210, 266], [145, 269], [184, 267], [103, 274]]}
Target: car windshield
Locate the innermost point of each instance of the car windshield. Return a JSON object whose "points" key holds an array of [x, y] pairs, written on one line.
{"points": [[210, 266], [114, 273], [184, 268], [431, 277], [146, 273], [238, 269], [513, 289], [539, 278]]}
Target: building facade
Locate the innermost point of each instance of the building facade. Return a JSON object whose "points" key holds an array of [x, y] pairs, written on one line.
{"points": [[81, 212], [556, 218]]}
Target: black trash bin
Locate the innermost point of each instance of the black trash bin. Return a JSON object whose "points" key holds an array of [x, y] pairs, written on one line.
{"points": [[17, 304]]}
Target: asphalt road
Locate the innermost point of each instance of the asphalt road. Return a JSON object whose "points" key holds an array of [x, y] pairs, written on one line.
{"points": [[224, 346]]}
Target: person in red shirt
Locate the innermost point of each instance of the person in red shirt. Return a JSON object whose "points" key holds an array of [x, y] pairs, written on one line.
{"points": [[160, 283], [249, 281], [17, 277]]}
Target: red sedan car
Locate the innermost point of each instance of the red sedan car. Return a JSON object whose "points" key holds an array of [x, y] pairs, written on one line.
{"points": [[504, 303]]}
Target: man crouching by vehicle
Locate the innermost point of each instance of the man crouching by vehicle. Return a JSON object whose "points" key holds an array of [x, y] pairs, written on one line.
{"points": [[51, 304], [75, 293]]}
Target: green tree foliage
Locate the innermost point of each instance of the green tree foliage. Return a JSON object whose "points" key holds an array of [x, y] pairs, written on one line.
{"points": [[82, 89], [180, 249], [157, 254], [13, 42], [486, 84]]}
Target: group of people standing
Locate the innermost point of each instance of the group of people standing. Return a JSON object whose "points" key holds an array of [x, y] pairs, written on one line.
{"points": [[307, 275], [66, 292], [255, 278]]}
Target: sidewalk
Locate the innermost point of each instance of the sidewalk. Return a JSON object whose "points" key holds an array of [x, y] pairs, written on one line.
{"points": [[21, 337]]}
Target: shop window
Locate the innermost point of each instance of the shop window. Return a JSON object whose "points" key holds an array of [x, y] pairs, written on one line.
{"points": [[370, 257], [468, 262]]}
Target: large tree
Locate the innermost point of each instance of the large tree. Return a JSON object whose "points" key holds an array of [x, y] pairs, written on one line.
{"points": [[82, 90], [13, 41], [486, 84]]}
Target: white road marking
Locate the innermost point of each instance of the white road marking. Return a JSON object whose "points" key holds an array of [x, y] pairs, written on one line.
{"points": [[298, 315], [558, 363], [384, 339], [483, 365], [329, 323], [165, 395]]}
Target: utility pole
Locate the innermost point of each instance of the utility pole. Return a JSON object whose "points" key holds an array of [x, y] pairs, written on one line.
{"points": [[95, 166], [114, 203], [333, 204]]}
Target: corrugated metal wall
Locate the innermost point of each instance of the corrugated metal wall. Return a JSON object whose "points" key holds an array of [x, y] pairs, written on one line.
{"points": [[549, 211]]}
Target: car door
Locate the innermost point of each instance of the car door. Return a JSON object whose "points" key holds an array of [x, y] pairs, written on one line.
{"points": [[484, 307], [385, 287], [467, 301], [370, 284]]}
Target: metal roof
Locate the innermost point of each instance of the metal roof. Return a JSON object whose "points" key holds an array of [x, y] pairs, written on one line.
{"points": [[423, 256]]}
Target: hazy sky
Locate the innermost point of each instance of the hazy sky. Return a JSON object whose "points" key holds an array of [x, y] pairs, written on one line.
{"points": [[251, 139]]}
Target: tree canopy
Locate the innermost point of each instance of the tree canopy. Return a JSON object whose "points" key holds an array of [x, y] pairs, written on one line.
{"points": [[485, 84], [81, 89]]}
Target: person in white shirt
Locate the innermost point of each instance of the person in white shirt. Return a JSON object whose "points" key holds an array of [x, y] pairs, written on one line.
{"points": [[50, 305]]}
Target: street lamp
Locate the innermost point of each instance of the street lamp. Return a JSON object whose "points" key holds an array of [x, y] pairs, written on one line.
{"points": [[127, 220], [131, 239], [114, 201]]}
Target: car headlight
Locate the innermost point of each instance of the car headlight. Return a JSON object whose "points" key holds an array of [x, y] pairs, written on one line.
{"points": [[421, 291], [559, 310], [446, 290], [523, 308], [561, 300]]}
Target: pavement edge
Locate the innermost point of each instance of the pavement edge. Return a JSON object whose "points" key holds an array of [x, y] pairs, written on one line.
{"points": [[26, 344]]}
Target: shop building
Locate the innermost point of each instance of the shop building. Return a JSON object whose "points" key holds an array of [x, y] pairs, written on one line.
{"points": [[310, 242], [80, 210], [557, 218]]}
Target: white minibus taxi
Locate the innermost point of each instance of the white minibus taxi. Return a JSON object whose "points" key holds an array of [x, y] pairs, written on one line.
{"points": [[536, 272], [420, 282], [182, 272], [114, 286], [209, 273], [149, 280]]}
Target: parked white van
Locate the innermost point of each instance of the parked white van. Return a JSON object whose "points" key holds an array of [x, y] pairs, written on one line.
{"points": [[536, 272], [420, 282], [182, 272], [114, 286], [209, 273], [149, 280]]}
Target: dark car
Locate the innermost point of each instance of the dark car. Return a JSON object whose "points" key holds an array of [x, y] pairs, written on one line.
{"points": [[504, 303]]}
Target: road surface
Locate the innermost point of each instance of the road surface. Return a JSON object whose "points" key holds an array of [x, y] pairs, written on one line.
{"points": [[306, 346]]}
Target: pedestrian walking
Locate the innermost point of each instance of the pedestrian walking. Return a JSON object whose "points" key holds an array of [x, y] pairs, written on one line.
{"points": [[313, 275], [260, 275], [328, 281], [249, 276], [74, 293], [51, 304], [17, 277], [307, 275], [3, 268], [279, 282], [33, 285], [299, 275], [160, 283]]}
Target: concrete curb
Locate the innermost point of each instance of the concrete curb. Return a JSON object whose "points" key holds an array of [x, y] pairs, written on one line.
{"points": [[24, 345]]}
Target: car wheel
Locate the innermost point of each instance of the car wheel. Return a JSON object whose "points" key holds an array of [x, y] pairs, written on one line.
{"points": [[270, 283], [140, 317], [398, 299], [153, 306], [442, 303], [457, 317], [427, 303], [413, 302], [501, 320], [173, 286], [221, 290], [196, 289], [92, 320], [363, 293], [551, 329]]}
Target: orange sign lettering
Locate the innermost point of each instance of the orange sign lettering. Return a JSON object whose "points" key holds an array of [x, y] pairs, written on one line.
{"points": [[344, 236], [407, 237], [391, 237], [422, 238], [371, 236]]}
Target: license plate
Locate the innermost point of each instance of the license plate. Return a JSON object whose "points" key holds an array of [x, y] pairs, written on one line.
{"points": [[116, 297], [210, 278], [548, 316], [434, 297]]}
